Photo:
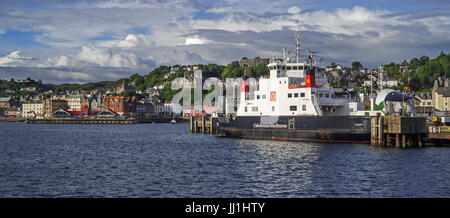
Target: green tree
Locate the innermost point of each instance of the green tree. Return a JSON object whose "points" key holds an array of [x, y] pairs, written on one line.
{"points": [[356, 66]]}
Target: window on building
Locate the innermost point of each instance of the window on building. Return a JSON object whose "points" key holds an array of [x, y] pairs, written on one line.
{"points": [[327, 95], [289, 95], [320, 95], [293, 108], [295, 95], [302, 94], [304, 107]]}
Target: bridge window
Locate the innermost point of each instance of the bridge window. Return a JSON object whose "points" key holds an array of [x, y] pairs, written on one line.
{"points": [[289, 95], [295, 95], [302, 94], [288, 67], [293, 108]]}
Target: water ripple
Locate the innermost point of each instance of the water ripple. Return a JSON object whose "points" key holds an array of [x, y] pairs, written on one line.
{"points": [[159, 160]]}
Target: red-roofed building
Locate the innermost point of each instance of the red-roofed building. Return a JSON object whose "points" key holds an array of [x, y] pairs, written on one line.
{"points": [[124, 106], [64, 113]]}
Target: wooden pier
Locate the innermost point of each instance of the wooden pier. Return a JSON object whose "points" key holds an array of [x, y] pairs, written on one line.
{"points": [[202, 124], [398, 131], [81, 121]]}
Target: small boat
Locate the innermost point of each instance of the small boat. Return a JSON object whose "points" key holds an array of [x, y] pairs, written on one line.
{"points": [[173, 121]]}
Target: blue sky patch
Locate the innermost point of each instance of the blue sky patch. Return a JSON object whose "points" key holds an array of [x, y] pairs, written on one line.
{"points": [[107, 35], [17, 39], [140, 30], [202, 15]]}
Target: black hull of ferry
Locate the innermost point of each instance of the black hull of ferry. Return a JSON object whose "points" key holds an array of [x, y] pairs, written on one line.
{"points": [[345, 129]]}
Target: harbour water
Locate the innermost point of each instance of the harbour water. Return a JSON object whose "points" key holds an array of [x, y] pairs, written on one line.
{"points": [[163, 160]]}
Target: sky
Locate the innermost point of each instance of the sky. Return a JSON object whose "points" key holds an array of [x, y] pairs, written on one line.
{"points": [[81, 41]]}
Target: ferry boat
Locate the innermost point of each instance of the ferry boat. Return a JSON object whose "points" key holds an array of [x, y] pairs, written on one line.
{"points": [[295, 103]]}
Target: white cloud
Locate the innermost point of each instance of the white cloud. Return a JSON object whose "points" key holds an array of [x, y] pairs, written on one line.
{"points": [[12, 59], [293, 10], [195, 40], [132, 41], [100, 33]]}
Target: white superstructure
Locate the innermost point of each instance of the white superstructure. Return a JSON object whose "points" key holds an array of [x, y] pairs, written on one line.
{"points": [[293, 88]]}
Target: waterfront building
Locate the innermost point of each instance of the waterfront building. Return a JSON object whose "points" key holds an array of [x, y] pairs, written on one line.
{"points": [[441, 96], [8, 102], [124, 106], [13, 112], [96, 103], [52, 105], [167, 110], [144, 107], [83, 113], [32, 109], [107, 114], [254, 62], [425, 105], [76, 101]]}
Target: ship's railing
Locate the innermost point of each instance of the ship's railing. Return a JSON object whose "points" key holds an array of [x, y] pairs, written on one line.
{"points": [[332, 101], [297, 86]]}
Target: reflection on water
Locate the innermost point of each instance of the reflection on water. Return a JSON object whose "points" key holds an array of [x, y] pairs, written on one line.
{"points": [[161, 160], [284, 168]]}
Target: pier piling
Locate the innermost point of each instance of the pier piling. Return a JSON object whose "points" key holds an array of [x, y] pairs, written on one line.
{"points": [[410, 129], [202, 124]]}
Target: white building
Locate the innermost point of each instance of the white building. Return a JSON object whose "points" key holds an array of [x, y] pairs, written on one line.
{"points": [[75, 102], [32, 109], [367, 83], [167, 110], [392, 83]]}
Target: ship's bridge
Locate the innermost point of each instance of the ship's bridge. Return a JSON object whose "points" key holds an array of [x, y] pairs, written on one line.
{"points": [[289, 69]]}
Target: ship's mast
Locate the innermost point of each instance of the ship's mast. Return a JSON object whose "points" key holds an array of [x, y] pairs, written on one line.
{"points": [[298, 40], [311, 56]]}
